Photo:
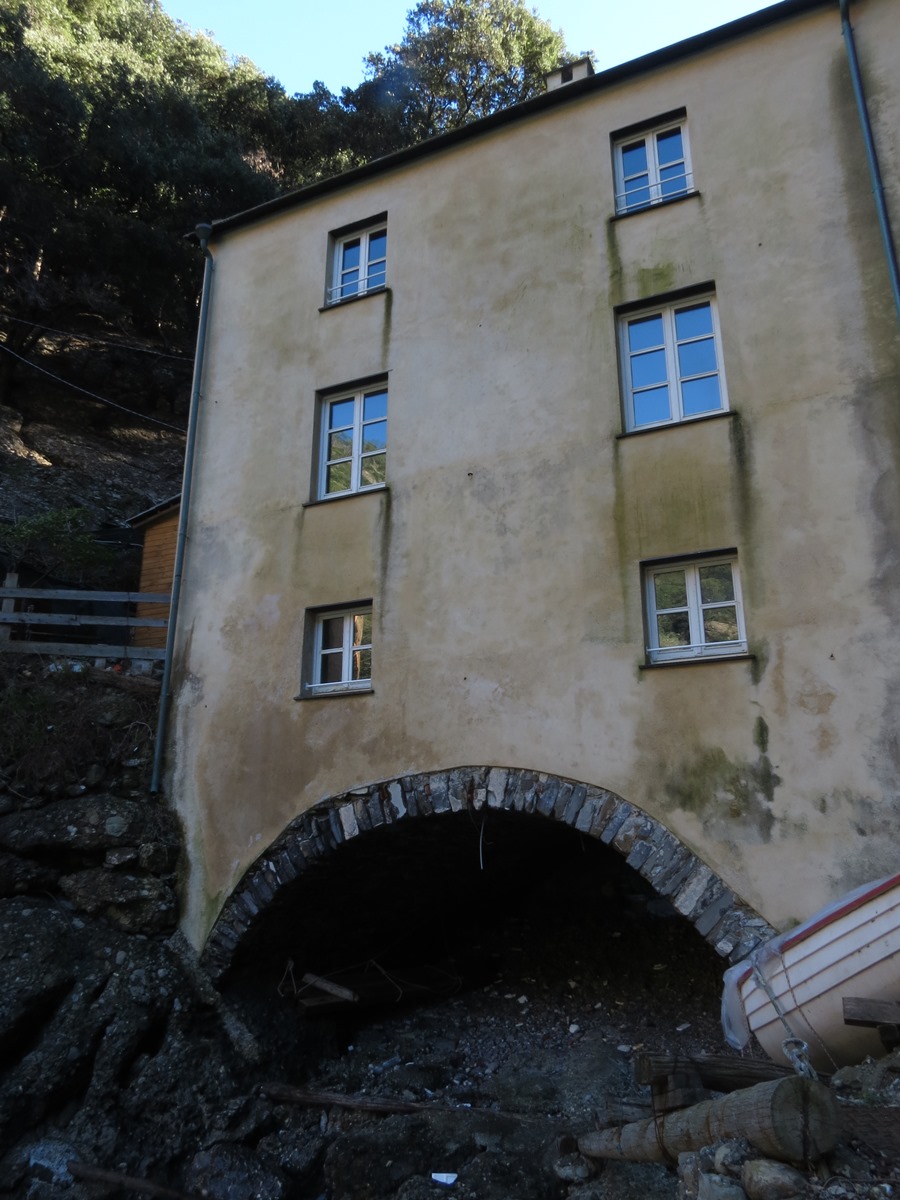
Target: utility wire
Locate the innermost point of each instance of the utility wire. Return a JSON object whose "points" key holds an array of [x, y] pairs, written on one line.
{"points": [[93, 395], [86, 337]]}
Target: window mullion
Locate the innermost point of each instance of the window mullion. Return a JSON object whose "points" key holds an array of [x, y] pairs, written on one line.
{"points": [[676, 410], [695, 609], [355, 450]]}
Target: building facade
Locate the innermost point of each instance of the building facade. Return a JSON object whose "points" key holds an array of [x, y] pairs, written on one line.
{"points": [[567, 442]]}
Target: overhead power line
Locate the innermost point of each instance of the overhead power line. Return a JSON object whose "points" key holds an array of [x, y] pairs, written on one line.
{"points": [[93, 395], [87, 337]]}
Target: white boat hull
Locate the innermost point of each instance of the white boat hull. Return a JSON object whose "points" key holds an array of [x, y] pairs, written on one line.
{"points": [[794, 986]]}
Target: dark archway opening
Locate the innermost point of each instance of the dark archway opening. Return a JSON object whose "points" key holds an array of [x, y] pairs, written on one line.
{"points": [[444, 905]]}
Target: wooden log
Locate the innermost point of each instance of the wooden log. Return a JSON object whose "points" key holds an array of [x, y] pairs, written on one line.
{"points": [[718, 1072], [792, 1120], [611, 1111], [131, 1183], [286, 1094], [333, 989]]}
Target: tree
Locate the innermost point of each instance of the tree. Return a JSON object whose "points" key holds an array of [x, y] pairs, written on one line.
{"points": [[464, 59]]}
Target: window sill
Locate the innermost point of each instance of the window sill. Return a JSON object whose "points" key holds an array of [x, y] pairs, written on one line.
{"points": [[372, 491], [634, 212], [379, 291], [714, 416], [700, 661], [339, 694]]}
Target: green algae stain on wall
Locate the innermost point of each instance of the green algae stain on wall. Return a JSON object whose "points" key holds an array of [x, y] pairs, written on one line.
{"points": [[732, 798]]}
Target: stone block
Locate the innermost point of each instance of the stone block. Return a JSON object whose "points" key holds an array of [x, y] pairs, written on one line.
{"points": [[348, 820], [497, 780], [719, 1187], [616, 821], [395, 799], [547, 793], [575, 804]]}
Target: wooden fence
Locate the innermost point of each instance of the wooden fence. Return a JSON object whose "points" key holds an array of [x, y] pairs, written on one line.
{"points": [[25, 622]]}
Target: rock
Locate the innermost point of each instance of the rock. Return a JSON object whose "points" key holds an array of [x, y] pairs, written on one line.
{"points": [[763, 1179], [89, 824], [133, 903], [730, 1156], [21, 875], [711, 1186], [228, 1172], [689, 1173]]}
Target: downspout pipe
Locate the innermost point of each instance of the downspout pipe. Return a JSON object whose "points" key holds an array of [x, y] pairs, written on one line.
{"points": [[871, 154], [203, 233]]}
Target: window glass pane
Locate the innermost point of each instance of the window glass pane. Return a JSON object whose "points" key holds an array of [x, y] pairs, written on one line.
{"points": [[634, 158], [349, 284], [361, 664], [693, 322], [637, 193], [670, 589], [337, 478], [697, 358], [372, 470], [374, 436], [350, 255], [649, 368], [673, 181], [376, 277], [340, 445], [374, 406], [645, 332], [340, 414], [330, 668], [716, 583], [377, 245], [362, 629], [701, 395], [651, 406], [332, 632], [673, 629], [669, 146], [720, 624]]}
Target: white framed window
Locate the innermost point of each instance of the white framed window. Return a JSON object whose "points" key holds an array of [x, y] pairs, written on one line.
{"points": [[341, 659], [671, 363], [354, 441], [358, 263], [694, 609], [652, 166]]}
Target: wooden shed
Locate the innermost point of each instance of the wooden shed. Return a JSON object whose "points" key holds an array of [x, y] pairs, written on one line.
{"points": [[160, 532]]}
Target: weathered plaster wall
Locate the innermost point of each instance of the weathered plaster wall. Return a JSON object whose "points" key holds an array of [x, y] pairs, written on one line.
{"points": [[503, 562]]}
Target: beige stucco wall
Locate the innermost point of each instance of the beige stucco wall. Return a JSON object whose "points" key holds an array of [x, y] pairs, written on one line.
{"points": [[504, 560]]}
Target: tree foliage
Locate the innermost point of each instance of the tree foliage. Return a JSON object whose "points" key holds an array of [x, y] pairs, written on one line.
{"points": [[121, 128], [464, 59]]}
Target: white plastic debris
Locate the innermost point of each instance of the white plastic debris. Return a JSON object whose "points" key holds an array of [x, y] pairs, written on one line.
{"points": [[447, 1178]]}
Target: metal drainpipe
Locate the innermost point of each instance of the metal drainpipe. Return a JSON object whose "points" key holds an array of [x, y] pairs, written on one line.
{"points": [[203, 232], [871, 153]]}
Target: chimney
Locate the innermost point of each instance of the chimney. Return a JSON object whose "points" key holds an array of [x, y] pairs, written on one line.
{"points": [[582, 68]]}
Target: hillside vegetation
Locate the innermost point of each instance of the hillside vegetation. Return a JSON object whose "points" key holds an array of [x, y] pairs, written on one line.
{"points": [[120, 130]]}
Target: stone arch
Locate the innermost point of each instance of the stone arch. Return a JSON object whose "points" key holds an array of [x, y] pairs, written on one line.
{"points": [[670, 868]]}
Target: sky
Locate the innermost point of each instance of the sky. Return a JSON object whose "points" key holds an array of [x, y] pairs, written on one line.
{"points": [[300, 41]]}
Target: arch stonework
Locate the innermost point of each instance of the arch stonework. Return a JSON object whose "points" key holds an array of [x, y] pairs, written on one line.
{"points": [[670, 868]]}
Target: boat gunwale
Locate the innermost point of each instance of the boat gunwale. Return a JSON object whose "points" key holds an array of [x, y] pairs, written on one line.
{"points": [[805, 931]]}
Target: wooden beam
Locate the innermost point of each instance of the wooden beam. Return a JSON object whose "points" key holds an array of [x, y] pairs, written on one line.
{"points": [[82, 650], [718, 1072], [860, 1011], [16, 593], [39, 618]]}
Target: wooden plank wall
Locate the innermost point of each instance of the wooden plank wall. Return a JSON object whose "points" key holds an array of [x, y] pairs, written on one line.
{"points": [[157, 568]]}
